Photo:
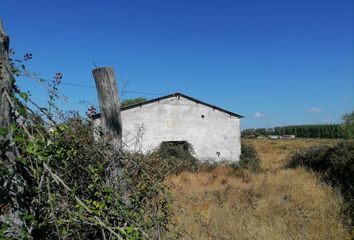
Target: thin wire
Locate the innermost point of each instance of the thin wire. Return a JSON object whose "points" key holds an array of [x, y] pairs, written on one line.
{"points": [[125, 91], [76, 85], [87, 86], [148, 93]]}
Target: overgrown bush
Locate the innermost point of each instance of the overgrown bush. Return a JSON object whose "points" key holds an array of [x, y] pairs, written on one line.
{"points": [[57, 182], [341, 169], [313, 157], [335, 164], [249, 158], [174, 157], [78, 188]]}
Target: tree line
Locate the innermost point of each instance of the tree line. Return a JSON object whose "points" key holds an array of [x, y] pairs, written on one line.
{"points": [[301, 131]]}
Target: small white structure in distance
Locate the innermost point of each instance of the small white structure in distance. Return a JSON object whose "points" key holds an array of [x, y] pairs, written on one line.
{"points": [[213, 132], [288, 136], [274, 137]]}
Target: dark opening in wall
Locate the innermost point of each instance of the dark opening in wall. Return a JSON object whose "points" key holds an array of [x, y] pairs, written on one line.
{"points": [[202, 116], [183, 145]]}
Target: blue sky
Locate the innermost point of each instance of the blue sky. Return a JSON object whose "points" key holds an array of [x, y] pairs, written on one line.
{"points": [[275, 62]]}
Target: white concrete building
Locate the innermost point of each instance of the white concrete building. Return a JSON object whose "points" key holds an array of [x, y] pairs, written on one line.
{"points": [[213, 132]]}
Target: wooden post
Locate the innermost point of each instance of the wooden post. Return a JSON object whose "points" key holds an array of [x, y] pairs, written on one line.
{"points": [[5, 79], [12, 187], [111, 123], [107, 92]]}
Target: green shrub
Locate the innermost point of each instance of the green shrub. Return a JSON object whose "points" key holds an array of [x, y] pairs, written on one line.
{"points": [[341, 168], [249, 158], [313, 158], [57, 182], [335, 165], [175, 157], [126, 193]]}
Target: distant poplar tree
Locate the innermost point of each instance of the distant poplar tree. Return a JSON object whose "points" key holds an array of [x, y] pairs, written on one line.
{"points": [[348, 124]]}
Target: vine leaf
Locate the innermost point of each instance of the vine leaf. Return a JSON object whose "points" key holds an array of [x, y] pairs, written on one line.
{"points": [[3, 131], [24, 96], [22, 111]]}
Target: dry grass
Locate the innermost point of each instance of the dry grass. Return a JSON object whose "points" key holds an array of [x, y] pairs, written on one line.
{"points": [[275, 204], [274, 153]]}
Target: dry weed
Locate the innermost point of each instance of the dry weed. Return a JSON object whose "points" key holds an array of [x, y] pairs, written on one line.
{"points": [[277, 203]]}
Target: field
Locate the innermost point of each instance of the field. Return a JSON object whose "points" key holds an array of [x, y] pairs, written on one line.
{"points": [[277, 203]]}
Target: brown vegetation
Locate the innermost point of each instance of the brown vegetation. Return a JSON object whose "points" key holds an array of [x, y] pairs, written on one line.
{"points": [[277, 203]]}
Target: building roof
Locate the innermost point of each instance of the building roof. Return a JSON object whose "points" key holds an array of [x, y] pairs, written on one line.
{"points": [[177, 94]]}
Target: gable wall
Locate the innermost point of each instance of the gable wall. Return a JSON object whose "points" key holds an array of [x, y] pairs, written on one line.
{"points": [[179, 119]]}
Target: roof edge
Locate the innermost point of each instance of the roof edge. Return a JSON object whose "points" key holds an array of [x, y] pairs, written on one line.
{"points": [[177, 94]]}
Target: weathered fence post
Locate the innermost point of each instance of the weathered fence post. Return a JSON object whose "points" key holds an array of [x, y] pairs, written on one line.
{"points": [[111, 123], [4, 78], [11, 184], [107, 91]]}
